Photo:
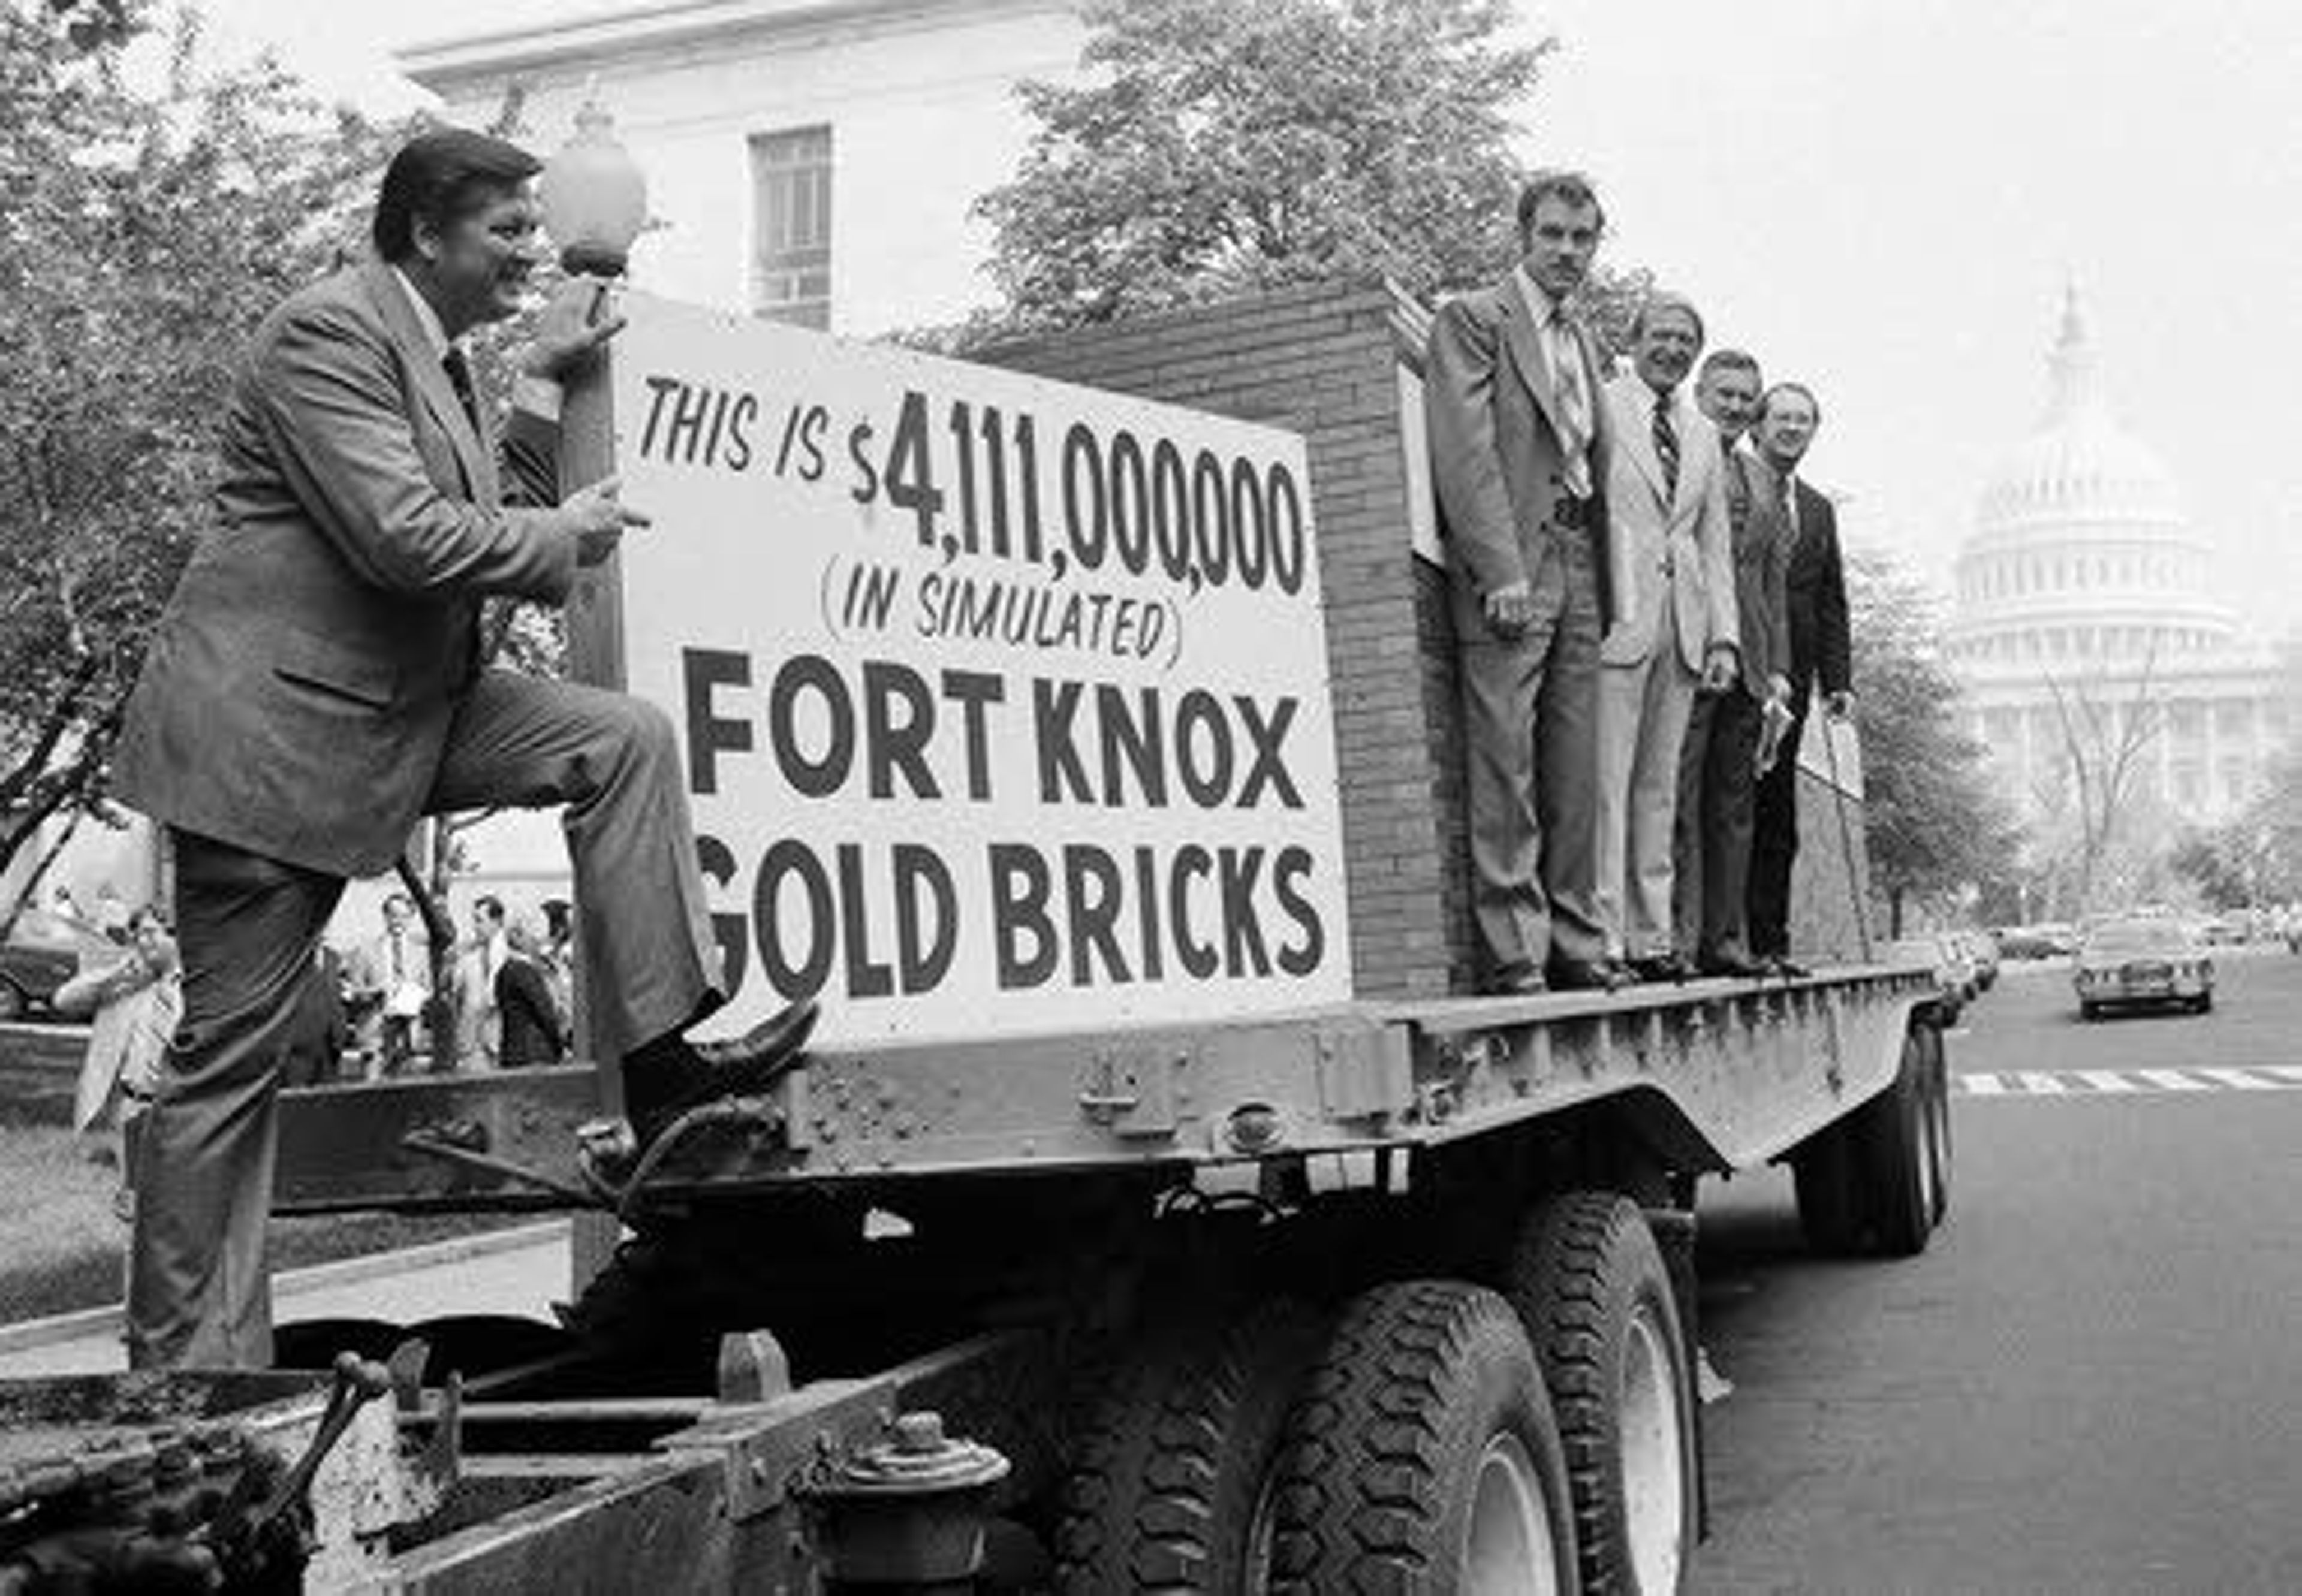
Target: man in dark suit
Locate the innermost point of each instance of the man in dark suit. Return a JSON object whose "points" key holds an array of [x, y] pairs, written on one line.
{"points": [[1718, 768], [314, 687], [1821, 656], [1519, 445]]}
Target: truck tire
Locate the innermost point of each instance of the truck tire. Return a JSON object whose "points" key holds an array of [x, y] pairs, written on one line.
{"points": [[1822, 1174], [1894, 1156], [1938, 1101], [1422, 1454], [1168, 1486], [1590, 1285]]}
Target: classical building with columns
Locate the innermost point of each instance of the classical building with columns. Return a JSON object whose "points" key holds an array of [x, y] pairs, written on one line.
{"points": [[2082, 600]]}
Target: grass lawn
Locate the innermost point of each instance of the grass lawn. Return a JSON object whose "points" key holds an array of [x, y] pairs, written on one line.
{"points": [[60, 1246]]}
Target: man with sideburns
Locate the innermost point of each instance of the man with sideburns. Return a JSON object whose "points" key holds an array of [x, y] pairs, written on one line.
{"points": [[314, 688]]}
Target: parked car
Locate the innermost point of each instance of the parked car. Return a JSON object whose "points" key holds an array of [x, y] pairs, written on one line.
{"points": [[40, 954], [2126, 963], [1954, 976], [1983, 948]]}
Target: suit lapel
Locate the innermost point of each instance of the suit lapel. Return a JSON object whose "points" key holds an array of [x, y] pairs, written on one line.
{"points": [[1637, 439], [1528, 354], [432, 384]]}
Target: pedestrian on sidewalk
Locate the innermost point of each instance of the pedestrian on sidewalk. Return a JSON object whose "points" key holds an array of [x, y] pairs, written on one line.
{"points": [[132, 1003]]}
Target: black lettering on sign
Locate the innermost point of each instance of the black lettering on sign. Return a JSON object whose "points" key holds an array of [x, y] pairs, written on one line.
{"points": [[867, 475], [1270, 766], [1294, 863], [1135, 741], [715, 862], [866, 976], [818, 776], [896, 744], [923, 893], [1054, 708], [973, 691], [911, 467], [1243, 951], [1094, 897], [1019, 883], [1203, 761], [804, 975], [702, 670], [1200, 959]]}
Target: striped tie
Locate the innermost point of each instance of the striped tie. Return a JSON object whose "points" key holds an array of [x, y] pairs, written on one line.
{"points": [[1666, 444]]}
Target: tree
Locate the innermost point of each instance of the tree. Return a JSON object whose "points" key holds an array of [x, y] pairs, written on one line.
{"points": [[142, 234], [2105, 731], [1225, 145], [1934, 825]]}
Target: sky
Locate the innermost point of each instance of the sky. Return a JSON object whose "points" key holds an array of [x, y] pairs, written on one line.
{"points": [[1884, 200]]}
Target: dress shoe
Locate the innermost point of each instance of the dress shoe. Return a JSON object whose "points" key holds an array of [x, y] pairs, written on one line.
{"points": [[1736, 967], [1660, 968], [666, 1078], [1586, 975], [1783, 969], [1516, 980]]}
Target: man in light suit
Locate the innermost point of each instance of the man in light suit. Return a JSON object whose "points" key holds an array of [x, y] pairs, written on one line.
{"points": [[314, 686], [1519, 453], [1821, 655], [1665, 495], [1718, 765]]}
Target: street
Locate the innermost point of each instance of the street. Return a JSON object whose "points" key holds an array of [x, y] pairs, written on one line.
{"points": [[2092, 1380]]}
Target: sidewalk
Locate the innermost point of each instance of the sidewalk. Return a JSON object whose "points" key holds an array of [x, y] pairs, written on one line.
{"points": [[516, 1272]]}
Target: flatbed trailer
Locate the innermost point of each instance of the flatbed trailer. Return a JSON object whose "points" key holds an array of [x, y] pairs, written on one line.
{"points": [[1394, 1288]]}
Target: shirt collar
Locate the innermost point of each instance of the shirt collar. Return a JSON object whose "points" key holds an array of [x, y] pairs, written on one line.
{"points": [[1548, 311], [427, 318]]}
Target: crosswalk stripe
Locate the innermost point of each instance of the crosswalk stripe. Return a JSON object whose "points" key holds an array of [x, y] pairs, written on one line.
{"points": [[2239, 1078], [2173, 1080], [2116, 1083]]}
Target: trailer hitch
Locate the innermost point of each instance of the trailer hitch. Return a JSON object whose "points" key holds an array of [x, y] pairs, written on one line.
{"points": [[909, 1514]]}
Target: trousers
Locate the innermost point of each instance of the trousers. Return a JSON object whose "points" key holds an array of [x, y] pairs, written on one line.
{"points": [[1643, 714], [1775, 842], [1530, 757], [1717, 782], [198, 1291]]}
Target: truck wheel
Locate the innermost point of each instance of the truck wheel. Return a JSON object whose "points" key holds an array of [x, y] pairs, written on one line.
{"points": [[1169, 1486], [1829, 1210], [1590, 1285], [1937, 1107], [1894, 1158], [2205, 1002], [12, 1002], [1422, 1454]]}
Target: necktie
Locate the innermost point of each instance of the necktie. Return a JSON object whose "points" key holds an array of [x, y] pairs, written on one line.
{"points": [[1666, 444], [1574, 399], [1790, 509], [459, 378], [399, 969]]}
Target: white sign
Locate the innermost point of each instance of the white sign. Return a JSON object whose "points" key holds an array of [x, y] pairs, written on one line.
{"points": [[1003, 701]]}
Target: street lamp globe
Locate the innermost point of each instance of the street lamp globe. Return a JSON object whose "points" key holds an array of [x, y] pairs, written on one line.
{"points": [[595, 197]]}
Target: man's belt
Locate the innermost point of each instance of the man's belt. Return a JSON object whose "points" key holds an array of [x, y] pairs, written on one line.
{"points": [[1572, 513]]}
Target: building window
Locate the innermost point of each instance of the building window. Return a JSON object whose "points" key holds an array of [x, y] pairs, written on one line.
{"points": [[791, 180]]}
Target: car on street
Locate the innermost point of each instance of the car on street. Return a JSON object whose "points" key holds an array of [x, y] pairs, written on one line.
{"points": [[2142, 962], [1954, 973], [39, 955]]}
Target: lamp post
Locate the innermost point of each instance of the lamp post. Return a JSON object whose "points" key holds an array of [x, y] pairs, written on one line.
{"points": [[595, 196]]}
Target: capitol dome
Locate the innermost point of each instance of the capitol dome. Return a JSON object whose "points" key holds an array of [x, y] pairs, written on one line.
{"points": [[2081, 552]]}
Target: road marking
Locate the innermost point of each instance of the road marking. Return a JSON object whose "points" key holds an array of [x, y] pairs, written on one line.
{"points": [[2113, 1083]]}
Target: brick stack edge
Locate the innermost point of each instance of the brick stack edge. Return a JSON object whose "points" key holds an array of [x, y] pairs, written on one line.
{"points": [[1323, 361]]}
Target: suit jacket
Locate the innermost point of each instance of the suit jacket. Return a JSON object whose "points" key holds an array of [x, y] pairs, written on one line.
{"points": [[1672, 539], [1495, 456], [1815, 588], [531, 1033], [1762, 549], [297, 696]]}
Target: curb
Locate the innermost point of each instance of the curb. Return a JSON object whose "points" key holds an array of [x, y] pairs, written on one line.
{"points": [[30, 1335]]}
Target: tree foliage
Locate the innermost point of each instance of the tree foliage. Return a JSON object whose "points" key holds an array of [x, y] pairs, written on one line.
{"points": [[1225, 145], [1934, 825], [144, 230]]}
